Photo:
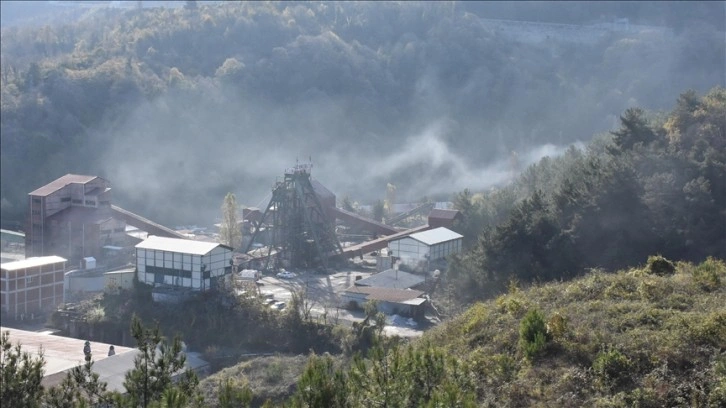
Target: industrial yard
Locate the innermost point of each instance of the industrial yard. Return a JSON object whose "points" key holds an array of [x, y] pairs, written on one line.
{"points": [[322, 293]]}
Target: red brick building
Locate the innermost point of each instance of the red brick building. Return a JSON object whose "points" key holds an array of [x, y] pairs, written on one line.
{"points": [[32, 286]]}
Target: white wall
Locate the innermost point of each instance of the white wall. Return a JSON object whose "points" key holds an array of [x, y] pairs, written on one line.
{"points": [[182, 269], [408, 250], [444, 249]]}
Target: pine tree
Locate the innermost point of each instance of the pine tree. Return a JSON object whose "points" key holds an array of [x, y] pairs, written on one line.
{"points": [[154, 367], [21, 375]]}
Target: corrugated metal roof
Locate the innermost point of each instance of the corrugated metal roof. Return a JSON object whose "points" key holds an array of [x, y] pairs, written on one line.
{"points": [[186, 246], [32, 262], [436, 236], [393, 279], [443, 214], [386, 294], [57, 184]]}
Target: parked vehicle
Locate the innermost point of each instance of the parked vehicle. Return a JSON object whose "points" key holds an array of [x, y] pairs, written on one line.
{"points": [[286, 275], [250, 274]]}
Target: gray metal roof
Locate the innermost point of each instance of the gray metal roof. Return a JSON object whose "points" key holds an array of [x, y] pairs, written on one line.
{"points": [[444, 214], [392, 279], [436, 236], [32, 262], [57, 184], [385, 294], [185, 246]]}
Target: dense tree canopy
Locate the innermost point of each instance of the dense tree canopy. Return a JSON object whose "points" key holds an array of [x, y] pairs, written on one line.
{"points": [[655, 185], [386, 84]]}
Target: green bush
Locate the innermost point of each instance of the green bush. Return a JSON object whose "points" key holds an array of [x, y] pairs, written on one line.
{"points": [[533, 335], [611, 367], [274, 372], [709, 329], [708, 273], [511, 304], [557, 326], [658, 265]]}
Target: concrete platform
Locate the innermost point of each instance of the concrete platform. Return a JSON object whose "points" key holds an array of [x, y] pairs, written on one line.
{"points": [[63, 353], [60, 353]]}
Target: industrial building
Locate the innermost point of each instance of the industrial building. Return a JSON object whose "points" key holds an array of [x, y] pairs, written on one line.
{"points": [[392, 279], [71, 217], [444, 218], [182, 263], [300, 218], [419, 249], [74, 217], [31, 287], [404, 302]]}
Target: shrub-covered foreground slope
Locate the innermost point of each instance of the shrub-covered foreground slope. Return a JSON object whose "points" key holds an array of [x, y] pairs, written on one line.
{"points": [[644, 337], [653, 336]]}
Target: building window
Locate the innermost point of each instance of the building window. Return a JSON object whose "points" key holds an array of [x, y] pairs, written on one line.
{"points": [[36, 200], [65, 199], [74, 201], [28, 280], [122, 229], [90, 202], [157, 270]]}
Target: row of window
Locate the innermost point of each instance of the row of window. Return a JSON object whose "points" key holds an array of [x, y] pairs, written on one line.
{"points": [[108, 231], [171, 272]]}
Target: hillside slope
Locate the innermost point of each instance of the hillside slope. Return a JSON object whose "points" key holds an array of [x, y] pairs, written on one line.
{"points": [[641, 337], [651, 336]]}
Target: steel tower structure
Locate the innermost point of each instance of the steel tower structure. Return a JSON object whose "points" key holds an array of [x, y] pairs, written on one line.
{"points": [[300, 233]]}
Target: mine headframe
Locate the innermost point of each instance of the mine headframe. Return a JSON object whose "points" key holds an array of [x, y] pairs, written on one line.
{"points": [[299, 233]]}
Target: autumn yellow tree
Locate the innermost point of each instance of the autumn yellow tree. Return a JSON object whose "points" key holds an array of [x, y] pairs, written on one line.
{"points": [[230, 233]]}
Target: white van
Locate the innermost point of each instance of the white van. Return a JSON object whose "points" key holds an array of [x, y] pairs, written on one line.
{"points": [[250, 274]]}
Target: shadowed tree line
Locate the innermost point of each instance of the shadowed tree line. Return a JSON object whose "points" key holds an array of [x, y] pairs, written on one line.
{"points": [[654, 185]]}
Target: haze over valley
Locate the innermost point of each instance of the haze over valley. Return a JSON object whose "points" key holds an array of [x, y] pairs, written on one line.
{"points": [[176, 107]]}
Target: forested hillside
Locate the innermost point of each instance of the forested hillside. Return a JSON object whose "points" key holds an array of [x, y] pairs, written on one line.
{"points": [[176, 107], [657, 184]]}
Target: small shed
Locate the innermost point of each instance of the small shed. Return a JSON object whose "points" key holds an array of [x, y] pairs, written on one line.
{"points": [[443, 218], [88, 262]]}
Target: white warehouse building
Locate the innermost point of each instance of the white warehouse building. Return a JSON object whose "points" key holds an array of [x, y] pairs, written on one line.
{"points": [[182, 263], [416, 250]]}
